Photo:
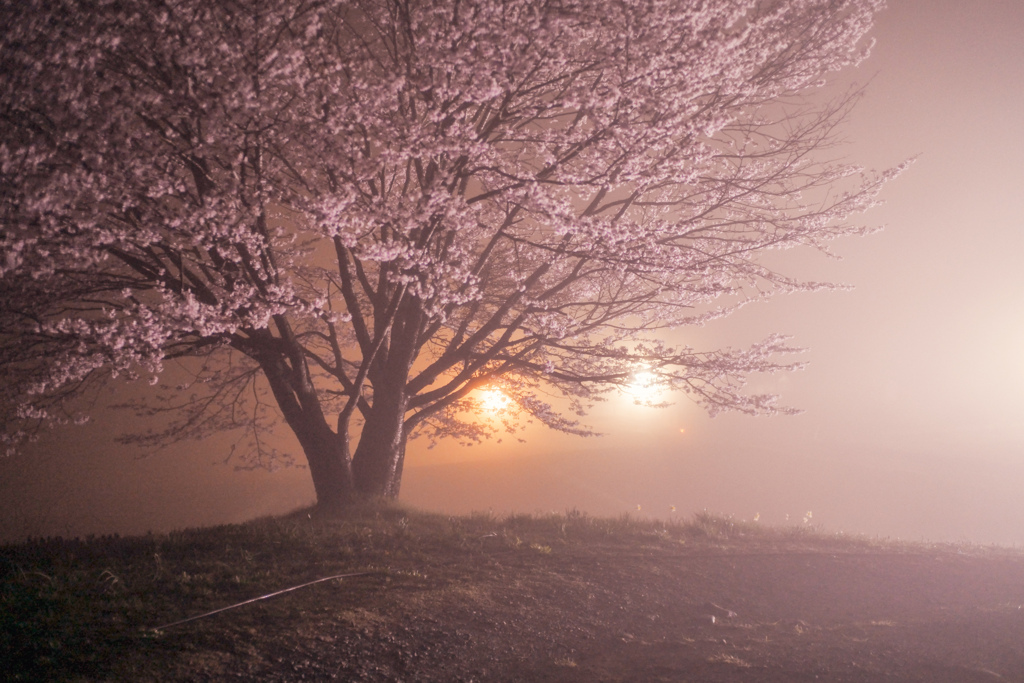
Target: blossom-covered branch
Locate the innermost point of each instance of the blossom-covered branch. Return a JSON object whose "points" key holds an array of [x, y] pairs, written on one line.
{"points": [[377, 207]]}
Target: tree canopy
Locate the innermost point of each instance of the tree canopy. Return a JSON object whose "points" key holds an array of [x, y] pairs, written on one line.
{"points": [[370, 209]]}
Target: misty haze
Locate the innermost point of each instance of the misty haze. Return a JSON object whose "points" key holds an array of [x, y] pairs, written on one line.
{"points": [[585, 341]]}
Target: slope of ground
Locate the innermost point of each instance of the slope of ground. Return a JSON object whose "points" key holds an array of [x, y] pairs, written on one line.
{"points": [[478, 598]]}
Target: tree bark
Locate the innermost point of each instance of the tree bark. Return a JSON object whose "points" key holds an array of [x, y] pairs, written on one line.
{"points": [[329, 465], [377, 463], [378, 460], [325, 451]]}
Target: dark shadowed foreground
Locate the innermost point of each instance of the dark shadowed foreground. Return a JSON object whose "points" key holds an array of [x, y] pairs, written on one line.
{"points": [[555, 598]]}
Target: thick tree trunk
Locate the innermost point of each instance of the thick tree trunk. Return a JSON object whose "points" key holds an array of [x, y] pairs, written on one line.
{"points": [[326, 452], [377, 462], [328, 464]]}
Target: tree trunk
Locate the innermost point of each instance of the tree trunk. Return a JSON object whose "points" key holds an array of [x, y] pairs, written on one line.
{"points": [[377, 463], [328, 463], [326, 452], [378, 460]]}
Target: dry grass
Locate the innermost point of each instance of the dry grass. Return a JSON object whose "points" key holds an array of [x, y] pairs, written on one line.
{"points": [[474, 596]]}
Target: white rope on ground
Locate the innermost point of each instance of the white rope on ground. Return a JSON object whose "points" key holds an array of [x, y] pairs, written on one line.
{"points": [[262, 597]]}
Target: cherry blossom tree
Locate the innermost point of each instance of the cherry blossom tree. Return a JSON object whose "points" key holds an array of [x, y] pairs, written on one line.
{"points": [[356, 214]]}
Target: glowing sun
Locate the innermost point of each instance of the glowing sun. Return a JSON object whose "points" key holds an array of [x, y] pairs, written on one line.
{"points": [[493, 400], [644, 387]]}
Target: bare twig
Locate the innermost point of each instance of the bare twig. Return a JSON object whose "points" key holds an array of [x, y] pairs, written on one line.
{"points": [[262, 597]]}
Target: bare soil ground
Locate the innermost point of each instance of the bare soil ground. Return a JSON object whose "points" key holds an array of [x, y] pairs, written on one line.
{"points": [[554, 598]]}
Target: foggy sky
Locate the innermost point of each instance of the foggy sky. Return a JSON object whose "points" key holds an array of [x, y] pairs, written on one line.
{"points": [[914, 397]]}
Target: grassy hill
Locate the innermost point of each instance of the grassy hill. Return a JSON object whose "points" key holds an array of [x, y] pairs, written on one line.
{"points": [[522, 598]]}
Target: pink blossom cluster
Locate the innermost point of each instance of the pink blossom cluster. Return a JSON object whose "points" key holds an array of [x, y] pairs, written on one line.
{"points": [[386, 204]]}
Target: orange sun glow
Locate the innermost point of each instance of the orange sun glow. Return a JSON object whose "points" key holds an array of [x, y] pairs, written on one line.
{"points": [[493, 400], [644, 387]]}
